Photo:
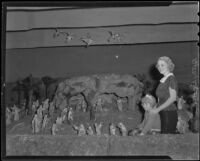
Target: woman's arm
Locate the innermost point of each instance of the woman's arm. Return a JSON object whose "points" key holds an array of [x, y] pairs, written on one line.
{"points": [[169, 101]]}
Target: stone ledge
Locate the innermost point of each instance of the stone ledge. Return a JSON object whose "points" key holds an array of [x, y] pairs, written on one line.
{"points": [[176, 146]]}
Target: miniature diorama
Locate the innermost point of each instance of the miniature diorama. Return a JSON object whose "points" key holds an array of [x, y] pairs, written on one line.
{"points": [[91, 79]]}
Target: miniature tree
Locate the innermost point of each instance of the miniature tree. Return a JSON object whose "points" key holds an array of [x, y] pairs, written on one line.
{"points": [[30, 84], [47, 82], [19, 88]]}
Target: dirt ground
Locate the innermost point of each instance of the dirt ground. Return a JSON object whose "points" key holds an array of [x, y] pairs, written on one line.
{"points": [[21, 141]]}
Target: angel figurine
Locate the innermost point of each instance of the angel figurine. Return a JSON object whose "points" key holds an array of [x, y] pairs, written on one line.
{"points": [[123, 129], [69, 37], [114, 36], [88, 40]]}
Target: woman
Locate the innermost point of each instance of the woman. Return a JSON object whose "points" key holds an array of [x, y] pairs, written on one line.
{"points": [[166, 93]]}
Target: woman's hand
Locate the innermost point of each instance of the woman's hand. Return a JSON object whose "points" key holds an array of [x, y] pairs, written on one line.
{"points": [[154, 111]]}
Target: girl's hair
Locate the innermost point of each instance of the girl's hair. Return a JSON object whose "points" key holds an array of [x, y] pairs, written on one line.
{"points": [[169, 62], [149, 99]]}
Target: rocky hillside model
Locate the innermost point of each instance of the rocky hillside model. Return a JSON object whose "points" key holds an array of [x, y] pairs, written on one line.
{"points": [[108, 87]]}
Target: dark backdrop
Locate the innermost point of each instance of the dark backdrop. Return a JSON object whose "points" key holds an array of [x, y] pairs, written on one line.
{"points": [[71, 61]]}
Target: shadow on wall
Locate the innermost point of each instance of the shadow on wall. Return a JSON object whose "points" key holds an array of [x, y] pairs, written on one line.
{"points": [[155, 76]]}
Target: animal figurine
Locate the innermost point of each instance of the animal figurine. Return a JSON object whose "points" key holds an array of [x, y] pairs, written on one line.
{"points": [[80, 130], [112, 129], [123, 129], [98, 128]]}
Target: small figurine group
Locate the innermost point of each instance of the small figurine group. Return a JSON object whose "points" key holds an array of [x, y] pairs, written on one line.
{"points": [[42, 111], [66, 114], [98, 105], [122, 129], [120, 102], [81, 130], [81, 105]]}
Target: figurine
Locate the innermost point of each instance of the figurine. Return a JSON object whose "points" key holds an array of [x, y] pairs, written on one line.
{"points": [[36, 123], [54, 129], [64, 114], [112, 129], [45, 122], [98, 128], [119, 104], [16, 111], [80, 130], [122, 129], [78, 106], [69, 37], [39, 112], [90, 131], [8, 116], [70, 114], [46, 104], [98, 105], [51, 109], [84, 105]]}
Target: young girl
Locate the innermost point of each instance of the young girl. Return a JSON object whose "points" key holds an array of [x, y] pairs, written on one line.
{"points": [[151, 122]]}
